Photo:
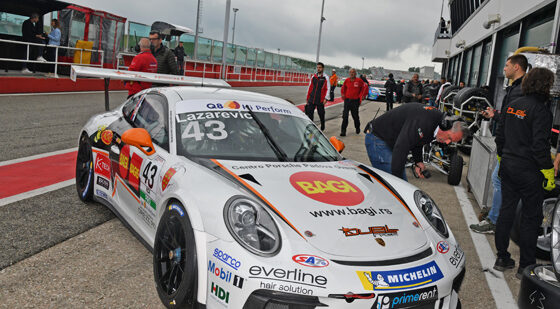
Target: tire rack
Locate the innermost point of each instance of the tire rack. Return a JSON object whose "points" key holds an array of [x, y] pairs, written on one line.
{"points": [[462, 112]]}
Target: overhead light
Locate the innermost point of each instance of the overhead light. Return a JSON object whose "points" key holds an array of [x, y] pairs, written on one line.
{"points": [[460, 44], [492, 19]]}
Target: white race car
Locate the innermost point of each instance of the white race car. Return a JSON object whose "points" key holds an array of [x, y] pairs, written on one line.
{"points": [[246, 204]]}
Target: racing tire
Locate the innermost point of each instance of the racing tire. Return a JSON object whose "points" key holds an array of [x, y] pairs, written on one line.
{"points": [[174, 259], [455, 170], [448, 90], [467, 92], [535, 292], [84, 169], [542, 251]]}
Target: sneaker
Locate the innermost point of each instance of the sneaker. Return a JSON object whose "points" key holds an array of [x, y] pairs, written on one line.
{"points": [[26, 71], [484, 227], [357, 131], [342, 133], [322, 127], [503, 264], [40, 58]]}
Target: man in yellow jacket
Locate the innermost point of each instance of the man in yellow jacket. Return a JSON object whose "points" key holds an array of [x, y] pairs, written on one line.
{"points": [[334, 82]]}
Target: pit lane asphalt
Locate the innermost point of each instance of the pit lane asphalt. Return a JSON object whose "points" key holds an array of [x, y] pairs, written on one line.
{"points": [[85, 263]]}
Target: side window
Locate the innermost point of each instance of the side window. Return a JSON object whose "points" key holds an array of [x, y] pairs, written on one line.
{"points": [[152, 116], [129, 105]]}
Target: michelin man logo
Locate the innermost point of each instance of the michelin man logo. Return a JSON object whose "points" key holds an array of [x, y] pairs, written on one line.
{"points": [[379, 282]]}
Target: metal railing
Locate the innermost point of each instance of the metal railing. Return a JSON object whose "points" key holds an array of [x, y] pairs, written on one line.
{"points": [[56, 62]]}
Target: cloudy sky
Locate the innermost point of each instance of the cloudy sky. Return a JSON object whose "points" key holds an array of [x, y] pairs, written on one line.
{"points": [[395, 34]]}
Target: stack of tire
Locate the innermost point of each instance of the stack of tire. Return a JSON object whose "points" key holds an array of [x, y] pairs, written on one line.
{"points": [[466, 93], [540, 284], [449, 90]]}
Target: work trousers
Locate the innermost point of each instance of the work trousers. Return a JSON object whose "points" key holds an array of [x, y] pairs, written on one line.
{"points": [[380, 154], [310, 111], [331, 94], [350, 106], [389, 100], [181, 64], [520, 183]]}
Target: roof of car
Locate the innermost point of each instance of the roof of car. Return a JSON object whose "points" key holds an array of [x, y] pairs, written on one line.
{"points": [[197, 93]]}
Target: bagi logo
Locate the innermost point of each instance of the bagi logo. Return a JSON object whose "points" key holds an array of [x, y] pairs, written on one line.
{"points": [[326, 188]]}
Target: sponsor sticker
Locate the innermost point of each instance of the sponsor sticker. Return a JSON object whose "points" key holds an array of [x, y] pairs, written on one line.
{"points": [[147, 200], [400, 279], [407, 299], [167, 177], [351, 211], [310, 260], [107, 137], [219, 293], [442, 247], [103, 182], [327, 188], [124, 159], [457, 256], [134, 171], [281, 276], [103, 165], [225, 274], [226, 258], [382, 230], [101, 194], [177, 209]]}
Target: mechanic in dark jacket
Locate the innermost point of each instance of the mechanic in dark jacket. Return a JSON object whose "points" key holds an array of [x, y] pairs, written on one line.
{"points": [[316, 94], [391, 136], [523, 143], [180, 54], [400, 87], [32, 32], [514, 69], [412, 91], [390, 87], [166, 63]]}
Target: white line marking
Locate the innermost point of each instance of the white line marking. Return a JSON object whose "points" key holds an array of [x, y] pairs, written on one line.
{"points": [[497, 284], [56, 93], [39, 156], [32, 193]]}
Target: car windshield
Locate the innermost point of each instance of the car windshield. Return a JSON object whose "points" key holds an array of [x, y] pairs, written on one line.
{"points": [[227, 130]]}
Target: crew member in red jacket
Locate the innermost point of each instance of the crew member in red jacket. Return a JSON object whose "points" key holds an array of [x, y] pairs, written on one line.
{"points": [[316, 94], [143, 62], [353, 91]]}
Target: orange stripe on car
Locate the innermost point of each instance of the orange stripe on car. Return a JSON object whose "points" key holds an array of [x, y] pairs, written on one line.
{"points": [[127, 189], [393, 193], [248, 186]]}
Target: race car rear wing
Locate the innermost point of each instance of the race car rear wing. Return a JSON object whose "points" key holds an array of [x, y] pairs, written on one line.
{"points": [[108, 74]]}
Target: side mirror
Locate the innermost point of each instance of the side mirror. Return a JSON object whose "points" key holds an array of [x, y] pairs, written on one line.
{"points": [[140, 138], [338, 144]]}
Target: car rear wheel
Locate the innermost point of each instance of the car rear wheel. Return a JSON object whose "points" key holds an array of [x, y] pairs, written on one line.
{"points": [[84, 169], [175, 258]]}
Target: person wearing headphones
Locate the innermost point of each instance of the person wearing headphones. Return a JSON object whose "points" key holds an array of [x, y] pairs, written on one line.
{"points": [[407, 128]]}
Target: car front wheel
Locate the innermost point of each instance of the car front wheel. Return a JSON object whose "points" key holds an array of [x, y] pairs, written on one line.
{"points": [[84, 169], [175, 258]]}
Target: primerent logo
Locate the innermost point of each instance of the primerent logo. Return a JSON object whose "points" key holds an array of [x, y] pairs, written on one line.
{"points": [[407, 299]]}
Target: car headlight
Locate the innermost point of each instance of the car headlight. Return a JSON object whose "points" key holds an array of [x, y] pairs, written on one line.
{"points": [[252, 226], [431, 212]]}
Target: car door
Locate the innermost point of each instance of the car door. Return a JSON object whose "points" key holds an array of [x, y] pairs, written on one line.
{"points": [[138, 192]]}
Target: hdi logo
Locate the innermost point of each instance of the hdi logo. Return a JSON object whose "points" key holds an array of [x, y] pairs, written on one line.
{"points": [[220, 293]]}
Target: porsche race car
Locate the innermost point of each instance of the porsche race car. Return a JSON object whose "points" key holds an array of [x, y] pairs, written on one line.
{"points": [[246, 204]]}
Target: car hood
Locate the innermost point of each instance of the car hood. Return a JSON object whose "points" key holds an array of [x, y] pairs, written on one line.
{"points": [[341, 208]]}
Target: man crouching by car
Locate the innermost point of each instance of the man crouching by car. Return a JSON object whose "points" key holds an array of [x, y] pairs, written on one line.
{"points": [[409, 127]]}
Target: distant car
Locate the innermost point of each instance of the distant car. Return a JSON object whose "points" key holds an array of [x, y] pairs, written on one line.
{"points": [[246, 204], [376, 90]]}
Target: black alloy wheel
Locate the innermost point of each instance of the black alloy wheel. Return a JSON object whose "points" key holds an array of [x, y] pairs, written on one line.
{"points": [[84, 169], [175, 259]]}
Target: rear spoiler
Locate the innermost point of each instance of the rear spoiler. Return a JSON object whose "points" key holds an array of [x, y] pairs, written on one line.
{"points": [[146, 77], [108, 74]]}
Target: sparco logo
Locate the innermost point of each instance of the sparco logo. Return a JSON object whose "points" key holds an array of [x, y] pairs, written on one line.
{"points": [[226, 258], [326, 188]]}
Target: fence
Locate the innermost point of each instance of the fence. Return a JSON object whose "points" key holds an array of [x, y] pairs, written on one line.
{"points": [[55, 62]]}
